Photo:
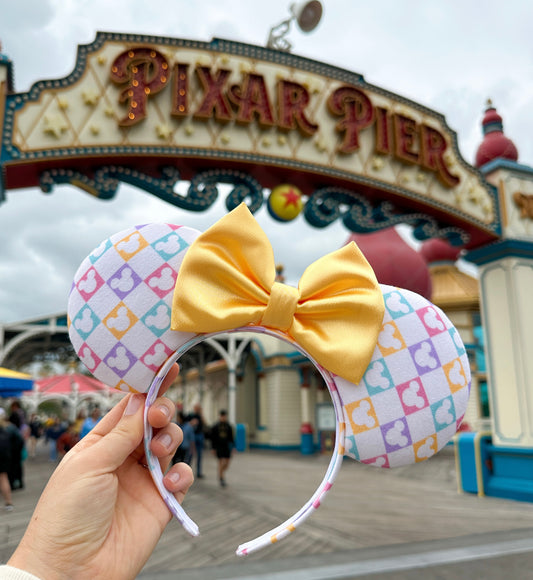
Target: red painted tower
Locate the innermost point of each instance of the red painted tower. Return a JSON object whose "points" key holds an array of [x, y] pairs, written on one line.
{"points": [[495, 144]]}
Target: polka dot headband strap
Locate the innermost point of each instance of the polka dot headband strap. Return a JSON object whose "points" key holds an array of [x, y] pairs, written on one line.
{"points": [[394, 365]]}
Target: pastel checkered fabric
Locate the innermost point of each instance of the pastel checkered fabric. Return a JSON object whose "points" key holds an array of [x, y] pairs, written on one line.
{"points": [[120, 302], [414, 393]]}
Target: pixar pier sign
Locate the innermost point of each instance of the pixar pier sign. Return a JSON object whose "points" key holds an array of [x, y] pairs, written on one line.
{"points": [[144, 72], [151, 110]]}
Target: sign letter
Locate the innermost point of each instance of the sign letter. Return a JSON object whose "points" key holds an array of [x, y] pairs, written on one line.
{"points": [[214, 99], [146, 72], [357, 112], [292, 100]]}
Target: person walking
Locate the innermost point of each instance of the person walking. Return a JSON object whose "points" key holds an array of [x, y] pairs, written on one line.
{"points": [[6, 436], [90, 422], [199, 436], [36, 430], [223, 443], [184, 453], [53, 433]]}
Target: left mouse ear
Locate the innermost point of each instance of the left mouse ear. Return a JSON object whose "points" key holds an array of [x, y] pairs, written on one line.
{"points": [[120, 303], [414, 393]]}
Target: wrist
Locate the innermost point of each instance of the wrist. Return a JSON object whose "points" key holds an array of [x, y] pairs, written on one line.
{"points": [[31, 561], [8, 572]]}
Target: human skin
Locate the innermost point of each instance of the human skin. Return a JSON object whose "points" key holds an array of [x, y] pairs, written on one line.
{"points": [[100, 515]]}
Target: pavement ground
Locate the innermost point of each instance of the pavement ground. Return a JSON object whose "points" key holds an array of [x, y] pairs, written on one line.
{"points": [[406, 523]]}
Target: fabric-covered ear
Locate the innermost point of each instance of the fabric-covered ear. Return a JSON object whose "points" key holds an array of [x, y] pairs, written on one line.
{"points": [[120, 303], [414, 393]]}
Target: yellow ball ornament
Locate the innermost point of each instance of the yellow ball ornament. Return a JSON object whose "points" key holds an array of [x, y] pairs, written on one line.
{"points": [[285, 202]]}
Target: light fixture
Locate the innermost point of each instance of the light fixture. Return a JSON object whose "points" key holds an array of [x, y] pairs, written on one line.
{"points": [[307, 16]]}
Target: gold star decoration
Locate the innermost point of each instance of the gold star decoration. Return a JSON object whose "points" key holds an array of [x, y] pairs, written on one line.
{"points": [[55, 125], [109, 112], [282, 140], [95, 130], [90, 98], [224, 139], [62, 104], [459, 197], [163, 131], [320, 144], [265, 141], [377, 163], [189, 130], [102, 59], [486, 206], [475, 195]]}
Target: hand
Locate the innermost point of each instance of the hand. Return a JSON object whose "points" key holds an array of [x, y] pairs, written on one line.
{"points": [[100, 515]]}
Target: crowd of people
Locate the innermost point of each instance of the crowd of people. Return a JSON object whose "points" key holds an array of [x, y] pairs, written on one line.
{"points": [[20, 436]]}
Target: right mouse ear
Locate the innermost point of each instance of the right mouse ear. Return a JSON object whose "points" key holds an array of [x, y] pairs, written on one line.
{"points": [[120, 303]]}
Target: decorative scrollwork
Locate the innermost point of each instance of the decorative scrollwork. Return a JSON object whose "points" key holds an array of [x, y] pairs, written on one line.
{"points": [[245, 188], [328, 204], [201, 193]]}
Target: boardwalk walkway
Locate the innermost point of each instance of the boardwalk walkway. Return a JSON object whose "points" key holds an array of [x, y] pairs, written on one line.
{"points": [[370, 515]]}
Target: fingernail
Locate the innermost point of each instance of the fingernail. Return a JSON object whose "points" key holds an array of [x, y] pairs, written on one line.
{"points": [[174, 476], [165, 439], [133, 405], [165, 410]]}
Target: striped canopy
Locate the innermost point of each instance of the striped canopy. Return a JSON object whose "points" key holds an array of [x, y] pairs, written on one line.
{"points": [[13, 383]]}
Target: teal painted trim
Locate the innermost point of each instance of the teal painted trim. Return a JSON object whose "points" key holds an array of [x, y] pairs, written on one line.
{"points": [[280, 368], [258, 362], [274, 447], [511, 473], [499, 250], [7, 62], [281, 353], [505, 164], [507, 450]]}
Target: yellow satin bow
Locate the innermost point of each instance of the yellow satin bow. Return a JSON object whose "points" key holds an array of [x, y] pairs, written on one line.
{"points": [[227, 280]]}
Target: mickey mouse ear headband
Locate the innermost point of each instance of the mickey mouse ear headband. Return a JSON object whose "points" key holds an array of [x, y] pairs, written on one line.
{"points": [[395, 366]]}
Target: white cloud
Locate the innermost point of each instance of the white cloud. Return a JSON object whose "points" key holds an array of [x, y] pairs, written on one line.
{"points": [[45, 238]]}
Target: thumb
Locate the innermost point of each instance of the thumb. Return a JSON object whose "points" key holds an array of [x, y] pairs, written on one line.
{"points": [[115, 447]]}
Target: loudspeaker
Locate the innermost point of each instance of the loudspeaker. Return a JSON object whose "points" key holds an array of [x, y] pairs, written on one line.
{"points": [[307, 14]]}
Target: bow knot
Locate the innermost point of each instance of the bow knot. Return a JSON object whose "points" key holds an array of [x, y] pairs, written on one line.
{"points": [[281, 306], [227, 280]]}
